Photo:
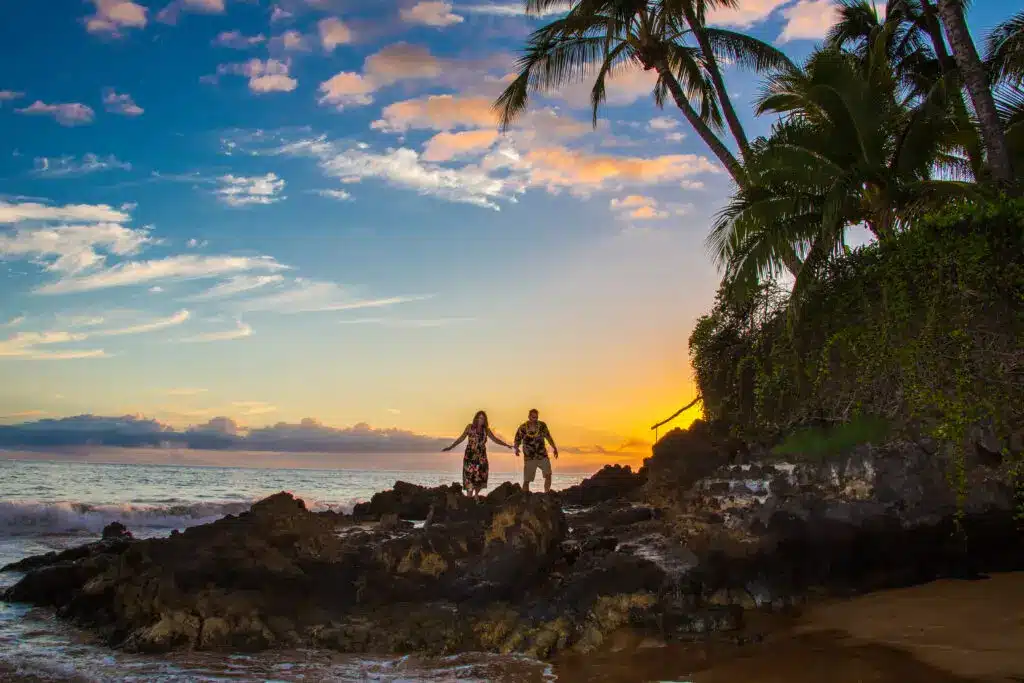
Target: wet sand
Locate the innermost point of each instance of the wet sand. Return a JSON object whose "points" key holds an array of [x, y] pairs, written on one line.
{"points": [[941, 632]]}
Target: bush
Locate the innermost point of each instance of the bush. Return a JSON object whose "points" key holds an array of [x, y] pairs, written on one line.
{"points": [[921, 333]]}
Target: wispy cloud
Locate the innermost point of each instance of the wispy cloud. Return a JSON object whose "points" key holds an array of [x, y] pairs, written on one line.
{"points": [[662, 123], [9, 96], [397, 322], [511, 9], [68, 249], [402, 168], [391, 65], [39, 345], [307, 296], [17, 212], [122, 103], [14, 322], [182, 267], [240, 331], [279, 14], [70, 114], [435, 13], [33, 346], [186, 391], [23, 414], [244, 191], [171, 13], [502, 174], [265, 76], [67, 166], [150, 326], [340, 195], [249, 408], [640, 207], [236, 40], [236, 285]]}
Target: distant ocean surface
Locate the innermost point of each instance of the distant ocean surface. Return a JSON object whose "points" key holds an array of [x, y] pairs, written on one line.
{"points": [[49, 505]]}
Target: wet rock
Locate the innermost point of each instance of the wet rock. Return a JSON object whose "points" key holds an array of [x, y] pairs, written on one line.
{"points": [[115, 531], [523, 538], [681, 459], [391, 522], [503, 492], [408, 501], [610, 483], [599, 544]]}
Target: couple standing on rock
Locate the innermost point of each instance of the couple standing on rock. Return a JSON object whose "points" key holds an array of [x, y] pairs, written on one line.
{"points": [[531, 436]]}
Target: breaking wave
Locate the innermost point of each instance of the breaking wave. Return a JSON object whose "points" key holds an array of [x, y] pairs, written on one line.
{"points": [[31, 518]]}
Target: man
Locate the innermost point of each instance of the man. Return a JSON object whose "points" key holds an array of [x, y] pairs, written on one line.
{"points": [[531, 436]]}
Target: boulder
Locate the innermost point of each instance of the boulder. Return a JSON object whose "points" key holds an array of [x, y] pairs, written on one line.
{"points": [[522, 540], [116, 531], [681, 458], [407, 501], [609, 483]]}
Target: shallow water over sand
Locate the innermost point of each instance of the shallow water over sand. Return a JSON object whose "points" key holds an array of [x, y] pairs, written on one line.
{"points": [[942, 632]]}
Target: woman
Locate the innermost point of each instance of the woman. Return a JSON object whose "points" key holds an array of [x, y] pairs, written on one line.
{"points": [[474, 464]]}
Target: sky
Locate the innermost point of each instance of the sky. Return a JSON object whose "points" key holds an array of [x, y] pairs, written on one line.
{"points": [[303, 210]]}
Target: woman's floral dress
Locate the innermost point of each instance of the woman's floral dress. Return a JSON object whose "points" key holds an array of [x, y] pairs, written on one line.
{"points": [[474, 465]]}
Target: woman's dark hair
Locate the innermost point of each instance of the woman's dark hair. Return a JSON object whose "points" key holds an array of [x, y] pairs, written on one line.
{"points": [[478, 414]]}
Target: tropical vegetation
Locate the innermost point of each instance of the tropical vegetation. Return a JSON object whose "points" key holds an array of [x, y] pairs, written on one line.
{"points": [[897, 123]]}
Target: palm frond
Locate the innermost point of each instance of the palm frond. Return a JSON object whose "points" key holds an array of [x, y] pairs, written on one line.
{"points": [[1004, 50], [747, 51]]}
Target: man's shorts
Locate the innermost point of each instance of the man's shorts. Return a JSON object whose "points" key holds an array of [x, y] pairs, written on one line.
{"points": [[531, 466]]}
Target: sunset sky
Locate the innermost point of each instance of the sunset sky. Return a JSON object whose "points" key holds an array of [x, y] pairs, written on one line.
{"points": [[302, 209]]}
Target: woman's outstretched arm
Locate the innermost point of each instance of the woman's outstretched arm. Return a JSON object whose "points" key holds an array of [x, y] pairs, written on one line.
{"points": [[458, 440], [496, 439]]}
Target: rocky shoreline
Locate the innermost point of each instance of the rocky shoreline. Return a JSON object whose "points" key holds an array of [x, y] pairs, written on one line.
{"points": [[702, 537]]}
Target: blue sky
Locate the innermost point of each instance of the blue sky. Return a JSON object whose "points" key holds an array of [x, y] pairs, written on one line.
{"points": [[274, 211]]}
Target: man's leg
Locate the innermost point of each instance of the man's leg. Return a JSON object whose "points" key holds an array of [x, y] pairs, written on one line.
{"points": [[529, 471], [545, 469]]}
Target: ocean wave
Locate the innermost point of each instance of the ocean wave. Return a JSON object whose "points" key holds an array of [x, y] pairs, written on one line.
{"points": [[30, 518]]}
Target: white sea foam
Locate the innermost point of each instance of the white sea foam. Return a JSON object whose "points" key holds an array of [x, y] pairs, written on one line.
{"points": [[24, 518]]}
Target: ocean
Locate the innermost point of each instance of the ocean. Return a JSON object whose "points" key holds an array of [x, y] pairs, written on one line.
{"points": [[52, 505]]}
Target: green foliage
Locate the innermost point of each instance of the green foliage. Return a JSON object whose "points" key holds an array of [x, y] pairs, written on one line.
{"points": [[821, 442], [921, 331]]}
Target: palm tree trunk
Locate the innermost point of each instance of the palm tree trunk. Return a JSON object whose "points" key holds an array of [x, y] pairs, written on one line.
{"points": [[733, 121], [933, 28], [732, 165], [973, 73]]}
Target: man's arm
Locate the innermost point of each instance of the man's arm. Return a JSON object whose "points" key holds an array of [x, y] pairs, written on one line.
{"points": [[550, 439], [519, 438]]}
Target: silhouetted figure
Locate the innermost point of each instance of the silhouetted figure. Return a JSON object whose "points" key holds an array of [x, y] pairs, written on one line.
{"points": [[532, 436], [474, 464]]}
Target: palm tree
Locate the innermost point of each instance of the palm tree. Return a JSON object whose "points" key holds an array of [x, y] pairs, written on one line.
{"points": [[1004, 51], [976, 79], [914, 43], [738, 47], [607, 36], [851, 148], [915, 47]]}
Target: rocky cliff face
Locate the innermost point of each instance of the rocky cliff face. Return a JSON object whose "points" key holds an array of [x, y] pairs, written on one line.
{"points": [[702, 534]]}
